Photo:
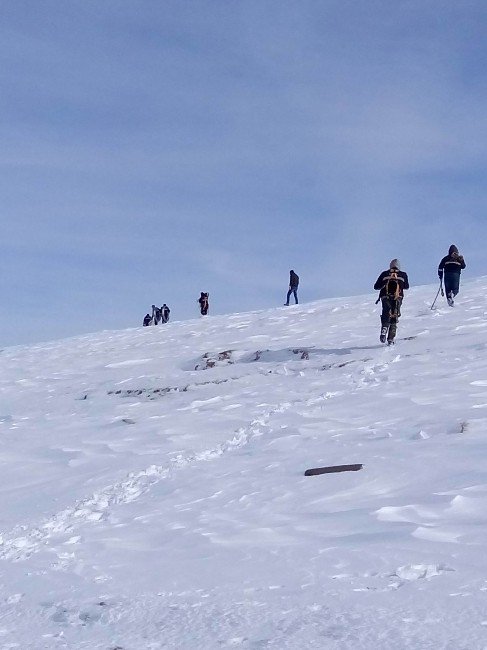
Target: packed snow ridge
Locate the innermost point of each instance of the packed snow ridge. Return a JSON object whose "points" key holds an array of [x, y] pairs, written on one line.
{"points": [[153, 488]]}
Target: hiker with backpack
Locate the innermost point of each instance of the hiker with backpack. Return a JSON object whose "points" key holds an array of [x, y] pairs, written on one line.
{"points": [[391, 285], [449, 270], [165, 311], [204, 304], [293, 287], [147, 320]]}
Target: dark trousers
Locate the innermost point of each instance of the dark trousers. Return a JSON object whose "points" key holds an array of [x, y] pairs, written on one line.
{"points": [[292, 290], [391, 311], [452, 283]]}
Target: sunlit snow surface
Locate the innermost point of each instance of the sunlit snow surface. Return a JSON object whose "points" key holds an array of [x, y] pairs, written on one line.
{"points": [[153, 488]]}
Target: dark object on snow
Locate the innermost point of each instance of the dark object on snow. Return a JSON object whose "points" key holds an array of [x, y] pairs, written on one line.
{"points": [[204, 304], [147, 320], [165, 311], [392, 282], [293, 287], [391, 285], [452, 265], [156, 315], [332, 469]]}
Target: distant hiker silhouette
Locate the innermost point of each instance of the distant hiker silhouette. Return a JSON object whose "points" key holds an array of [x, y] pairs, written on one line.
{"points": [[293, 287], [204, 304], [165, 311], [449, 270], [156, 315], [391, 285], [147, 320]]}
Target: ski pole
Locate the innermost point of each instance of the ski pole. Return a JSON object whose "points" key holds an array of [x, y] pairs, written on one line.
{"points": [[440, 288]]}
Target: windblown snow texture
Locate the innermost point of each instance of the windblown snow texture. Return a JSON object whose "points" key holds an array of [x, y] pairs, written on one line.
{"points": [[153, 488]]}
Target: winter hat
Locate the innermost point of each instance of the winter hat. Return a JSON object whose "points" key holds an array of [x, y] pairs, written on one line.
{"points": [[452, 249], [394, 264]]}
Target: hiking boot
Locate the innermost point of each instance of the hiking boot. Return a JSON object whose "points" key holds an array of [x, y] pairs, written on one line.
{"points": [[390, 342]]}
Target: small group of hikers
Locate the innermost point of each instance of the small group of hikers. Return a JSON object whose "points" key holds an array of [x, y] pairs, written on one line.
{"points": [[392, 283], [159, 315]]}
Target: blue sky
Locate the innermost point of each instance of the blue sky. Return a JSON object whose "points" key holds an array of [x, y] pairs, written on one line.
{"points": [[152, 150]]}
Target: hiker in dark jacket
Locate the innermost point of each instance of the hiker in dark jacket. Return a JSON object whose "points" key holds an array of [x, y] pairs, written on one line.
{"points": [[204, 304], [391, 284], [156, 315], [147, 320], [449, 270], [293, 287], [165, 311]]}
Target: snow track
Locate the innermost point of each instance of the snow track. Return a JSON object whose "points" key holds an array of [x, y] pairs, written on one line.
{"points": [[21, 543], [154, 491]]}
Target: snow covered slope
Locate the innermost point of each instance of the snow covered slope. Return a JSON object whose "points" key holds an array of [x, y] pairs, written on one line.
{"points": [[153, 488]]}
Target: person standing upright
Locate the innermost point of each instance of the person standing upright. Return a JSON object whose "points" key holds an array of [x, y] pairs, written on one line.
{"points": [[156, 315], [204, 303], [391, 285], [165, 311], [449, 270], [293, 287]]}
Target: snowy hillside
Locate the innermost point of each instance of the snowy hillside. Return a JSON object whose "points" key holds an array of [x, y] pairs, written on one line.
{"points": [[153, 488]]}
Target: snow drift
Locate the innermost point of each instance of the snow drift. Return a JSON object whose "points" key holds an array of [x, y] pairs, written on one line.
{"points": [[153, 488]]}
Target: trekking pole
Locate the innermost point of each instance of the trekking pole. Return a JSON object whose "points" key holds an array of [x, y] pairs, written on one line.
{"points": [[440, 288]]}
